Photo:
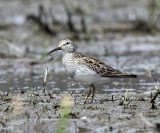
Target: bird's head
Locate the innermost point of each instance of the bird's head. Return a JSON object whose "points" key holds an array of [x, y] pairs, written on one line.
{"points": [[65, 45]]}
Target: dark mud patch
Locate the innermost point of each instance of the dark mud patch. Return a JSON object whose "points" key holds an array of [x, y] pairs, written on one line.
{"points": [[39, 112]]}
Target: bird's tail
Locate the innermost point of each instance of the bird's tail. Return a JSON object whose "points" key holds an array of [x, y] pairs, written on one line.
{"points": [[123, 76], [129, 76]]}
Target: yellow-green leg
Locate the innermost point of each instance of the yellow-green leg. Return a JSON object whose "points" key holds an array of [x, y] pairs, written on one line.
{"points": [[89, 93], [92, 93]]}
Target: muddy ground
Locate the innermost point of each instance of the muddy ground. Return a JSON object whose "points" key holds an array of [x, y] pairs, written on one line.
{"points": [[110, 36], [47, 112]]}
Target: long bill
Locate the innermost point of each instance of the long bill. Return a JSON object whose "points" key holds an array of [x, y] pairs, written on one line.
{"points": [[58, 48]]}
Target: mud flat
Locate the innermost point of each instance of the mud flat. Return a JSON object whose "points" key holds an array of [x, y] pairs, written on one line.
{"points": [[110, 37], [49, 112]]}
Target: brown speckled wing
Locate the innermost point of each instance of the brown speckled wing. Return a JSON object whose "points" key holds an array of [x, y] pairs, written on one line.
{"points": [[99, 67]]}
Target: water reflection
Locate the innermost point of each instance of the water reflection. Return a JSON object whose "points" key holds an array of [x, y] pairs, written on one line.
{"points": [[62, 84]]}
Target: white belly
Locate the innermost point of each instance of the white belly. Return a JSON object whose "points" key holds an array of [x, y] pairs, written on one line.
{"points": [[90, 79]]}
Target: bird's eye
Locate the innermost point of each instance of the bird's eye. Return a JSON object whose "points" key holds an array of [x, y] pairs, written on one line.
{"points": [[67, 42]]}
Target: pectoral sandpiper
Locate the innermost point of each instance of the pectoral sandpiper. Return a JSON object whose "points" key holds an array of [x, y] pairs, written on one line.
{"points": [[86, 69]]}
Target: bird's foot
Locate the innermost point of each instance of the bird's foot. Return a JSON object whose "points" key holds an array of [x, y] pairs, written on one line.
{"points": [[84, 102]]}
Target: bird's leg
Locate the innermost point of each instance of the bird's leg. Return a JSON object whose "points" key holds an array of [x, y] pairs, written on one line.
{"points": [[92, 93], [89, 92]]}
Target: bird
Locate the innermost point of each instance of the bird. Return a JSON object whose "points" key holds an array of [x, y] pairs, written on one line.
{"points": [[86, 69]]}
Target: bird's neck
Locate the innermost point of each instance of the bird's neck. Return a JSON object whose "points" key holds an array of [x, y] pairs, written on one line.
{"points": [[67, 57], [67, 52]]}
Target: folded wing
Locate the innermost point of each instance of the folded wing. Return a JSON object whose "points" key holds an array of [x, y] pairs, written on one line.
{"points": [[101, 68]]}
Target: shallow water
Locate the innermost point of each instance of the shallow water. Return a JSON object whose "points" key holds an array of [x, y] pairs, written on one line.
{"points": [[28, 73], [62, 84]]}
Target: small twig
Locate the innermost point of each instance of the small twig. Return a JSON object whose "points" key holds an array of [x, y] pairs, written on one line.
{"points": [[155, 96], [48, 101], [72, 93], [125, 98], [112, 98], [129, 102], [45, 80], [37, 117], [50, 95], [3, 124], [28, 116], [7, 108], [76, 127]]}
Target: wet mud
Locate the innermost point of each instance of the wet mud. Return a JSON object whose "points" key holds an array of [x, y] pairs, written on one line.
{"points": [[120, 105], [42, 112]]}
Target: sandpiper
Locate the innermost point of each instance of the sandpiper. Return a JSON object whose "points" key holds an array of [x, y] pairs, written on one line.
{"points": [[86, 69]]}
